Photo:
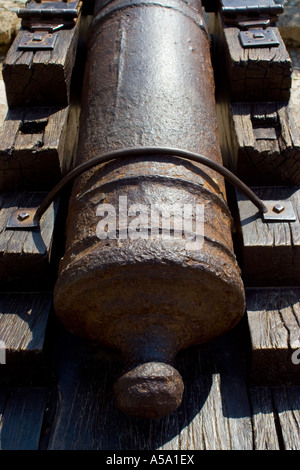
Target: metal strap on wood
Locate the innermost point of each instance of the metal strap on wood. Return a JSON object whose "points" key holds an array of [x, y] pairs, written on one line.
{"points": [[253, 18], [43, 19], [29, 219]]}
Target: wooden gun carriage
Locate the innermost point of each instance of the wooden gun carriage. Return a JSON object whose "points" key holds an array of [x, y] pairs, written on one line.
{"points": [[241, 377]]}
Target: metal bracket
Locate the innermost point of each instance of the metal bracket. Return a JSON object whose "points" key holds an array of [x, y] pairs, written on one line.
{"points": [[30, 218], [237, 11], [43, 19], [279, 211], [254, 19], [22, 219], [38, 40], [258, 37]]}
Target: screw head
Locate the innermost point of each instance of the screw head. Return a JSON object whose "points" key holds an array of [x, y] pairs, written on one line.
{"points": [[278, 208], [23, 216]]}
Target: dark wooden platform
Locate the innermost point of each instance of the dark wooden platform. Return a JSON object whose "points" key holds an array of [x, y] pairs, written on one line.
{"points": [[222, 408], [242, 390]]}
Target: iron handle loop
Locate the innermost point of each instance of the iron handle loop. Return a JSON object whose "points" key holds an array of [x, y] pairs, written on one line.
{"points": [[31, 219], [146, 151]]}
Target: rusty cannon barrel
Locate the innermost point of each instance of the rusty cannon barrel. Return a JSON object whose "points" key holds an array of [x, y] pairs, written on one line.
{"points": [[149, 267]]}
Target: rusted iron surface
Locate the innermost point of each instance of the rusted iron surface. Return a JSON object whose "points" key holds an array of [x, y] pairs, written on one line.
{"points": [[148, 82]]}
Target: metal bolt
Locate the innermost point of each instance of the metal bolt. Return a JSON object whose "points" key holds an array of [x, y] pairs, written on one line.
{"points": [[37, 37], [278, 208], [23, 216]]}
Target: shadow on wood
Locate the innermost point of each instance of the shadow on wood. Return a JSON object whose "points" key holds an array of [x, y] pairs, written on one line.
{"points": [[214, 414], [273, 318]]}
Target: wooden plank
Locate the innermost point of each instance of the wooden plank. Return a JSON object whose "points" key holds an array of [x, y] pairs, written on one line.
{"points": [[41, 78], [23, 418], [24, 319], [214, 414], [224, 420], [23, 322], [27, 259], [264, 427], [274, 326], [37, 147], [260, 142], [287, 406], [209, 430], [270, 252], [256, 73]]}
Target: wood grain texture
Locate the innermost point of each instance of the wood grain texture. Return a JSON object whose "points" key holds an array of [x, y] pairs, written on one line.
{"points": [[41, 78], [274, 326], [23, 322], [264, 427], [254, 74], [270, 251], [37, 147], [23, 418], [260, 142], [287, 408], [27, 258], [219, 410], [215, 412]]}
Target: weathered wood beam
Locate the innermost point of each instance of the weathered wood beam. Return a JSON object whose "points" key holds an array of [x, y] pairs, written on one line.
{"points": [[255, 73], [37, 147], [24, 325], [27, 258], [264, 425], [215, 413], [258, 137], [274, 319], [269, 251], [41, 77], [260, 142], [287, 410], [275, 417]]}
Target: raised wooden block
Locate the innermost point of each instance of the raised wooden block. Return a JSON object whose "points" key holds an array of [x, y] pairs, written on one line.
{"points": [[36, 147], [41, 77], [260, 142], [270, 251], [255, 73], [274, 319], [24, 319], [27, 258]]}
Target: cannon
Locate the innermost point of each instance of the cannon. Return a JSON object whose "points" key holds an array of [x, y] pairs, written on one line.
{"points": [[149, 267]]}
